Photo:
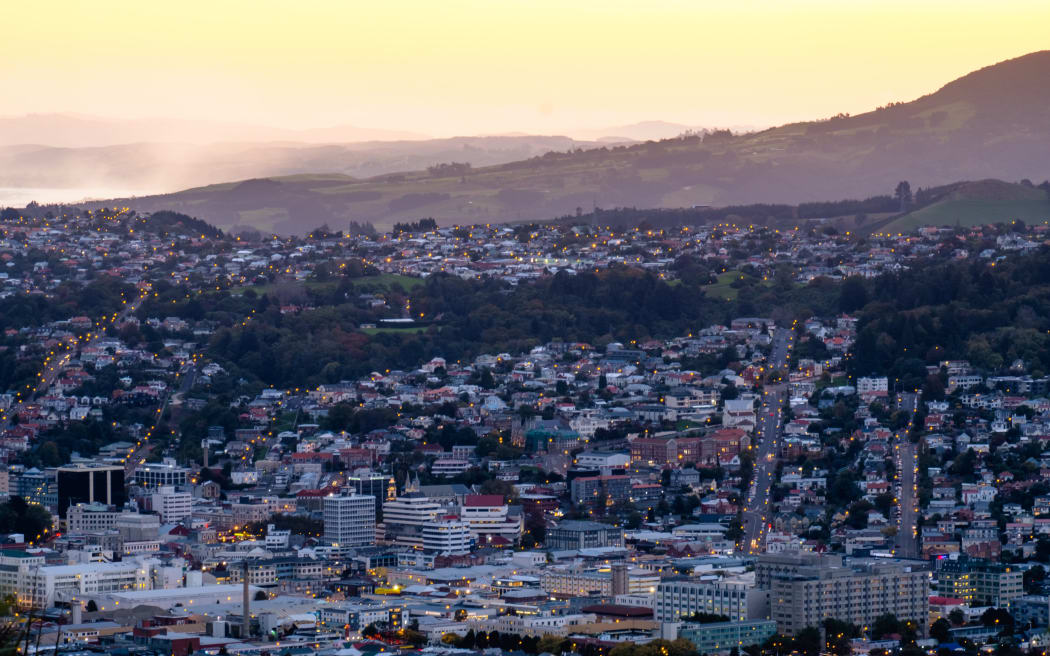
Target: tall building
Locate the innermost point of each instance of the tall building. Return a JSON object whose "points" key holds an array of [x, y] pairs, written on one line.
{"points": [[821, 587], [350, 520], [172, 506], [90, 483], [979, 582], [405, 517], [373, 485], [449, 536]]}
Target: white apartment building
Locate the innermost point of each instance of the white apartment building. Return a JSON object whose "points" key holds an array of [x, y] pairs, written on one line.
{"points": [[873, 385], [350, 520], [172, 506]]}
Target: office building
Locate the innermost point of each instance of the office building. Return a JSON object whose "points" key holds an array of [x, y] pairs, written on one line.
{"points": [[172, 506], [816, 588], [373, 485], [405, 517], [723, 637], [90, 483], [449, 536], [572, 534], [679, 598], [489, 517], [582, 583], [350, 520], [155, 475], [979, 582], [89, 517]]}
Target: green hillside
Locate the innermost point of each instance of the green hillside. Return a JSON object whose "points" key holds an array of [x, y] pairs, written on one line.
{"points": [[991, 123], [979, 203]]}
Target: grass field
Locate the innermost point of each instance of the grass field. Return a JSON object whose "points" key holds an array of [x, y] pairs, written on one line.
{"points": [[972, 212], [722, 289], [386, 281]]}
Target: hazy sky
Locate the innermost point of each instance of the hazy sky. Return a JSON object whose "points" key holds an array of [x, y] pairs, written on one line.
{"points": [[466, 66]]}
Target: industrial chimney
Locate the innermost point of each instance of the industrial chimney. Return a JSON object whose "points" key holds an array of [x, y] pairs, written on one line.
{"points": [[619, 579]]}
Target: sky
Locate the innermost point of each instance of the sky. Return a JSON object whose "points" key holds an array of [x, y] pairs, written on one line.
{"points": [[447, 67]]}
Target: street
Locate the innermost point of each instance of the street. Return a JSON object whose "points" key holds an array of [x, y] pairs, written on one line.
{"points": [[769, 423], [907, 468]]}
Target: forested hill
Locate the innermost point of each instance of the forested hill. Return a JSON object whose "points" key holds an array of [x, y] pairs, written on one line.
{"points": [[994, 122], [991, 313]]}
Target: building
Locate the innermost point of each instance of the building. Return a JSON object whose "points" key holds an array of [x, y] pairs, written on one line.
{"points": [[583, 583], [172, 506], [488, 517], [573, 534], [350, 520], [819, 587], [979, 582], [405, 517], [720, 637], [680, 598], [89, 517], [90, 483], [448, 536], [595, 489], [42, 587], [372, 485], [874, 386], [155, 475]]}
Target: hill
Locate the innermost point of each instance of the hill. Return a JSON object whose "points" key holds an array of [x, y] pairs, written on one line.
{"points": [[977, 203], [994, 122], [150, 166]]}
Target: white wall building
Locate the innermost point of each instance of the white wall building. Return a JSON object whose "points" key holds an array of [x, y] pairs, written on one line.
{"points": [[350, 520]]}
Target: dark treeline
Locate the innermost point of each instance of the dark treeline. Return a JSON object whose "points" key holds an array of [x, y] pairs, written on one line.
{"points": [[991, 313], [756, 214]]}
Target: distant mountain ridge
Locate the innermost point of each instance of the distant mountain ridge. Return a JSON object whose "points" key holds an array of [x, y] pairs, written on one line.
{"points": [[992, 123]]}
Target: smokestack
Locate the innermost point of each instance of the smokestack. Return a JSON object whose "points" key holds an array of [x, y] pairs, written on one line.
{"points": [[246, 621], [619, 579], [204, 451]]}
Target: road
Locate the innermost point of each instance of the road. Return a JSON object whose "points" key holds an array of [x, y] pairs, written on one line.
{"points": [[140, 452], [56, 362], [766, 442], [907, 542]]}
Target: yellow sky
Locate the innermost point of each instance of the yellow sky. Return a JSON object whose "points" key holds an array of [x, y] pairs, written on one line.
{"points": [[467, 66]]}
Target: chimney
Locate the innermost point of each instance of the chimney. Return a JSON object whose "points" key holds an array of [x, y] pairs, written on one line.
{"points": [[619, 579], [204, 452], [246, 622]]}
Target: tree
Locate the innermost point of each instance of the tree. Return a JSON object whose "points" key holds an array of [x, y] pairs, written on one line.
{"points": [[903, 194], [940, 630], [853, 295], [885, 625], [1033, 578], [957, 617]]}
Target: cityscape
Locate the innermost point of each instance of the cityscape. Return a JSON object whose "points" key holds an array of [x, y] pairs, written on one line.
{"points": [[475, 381]]}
